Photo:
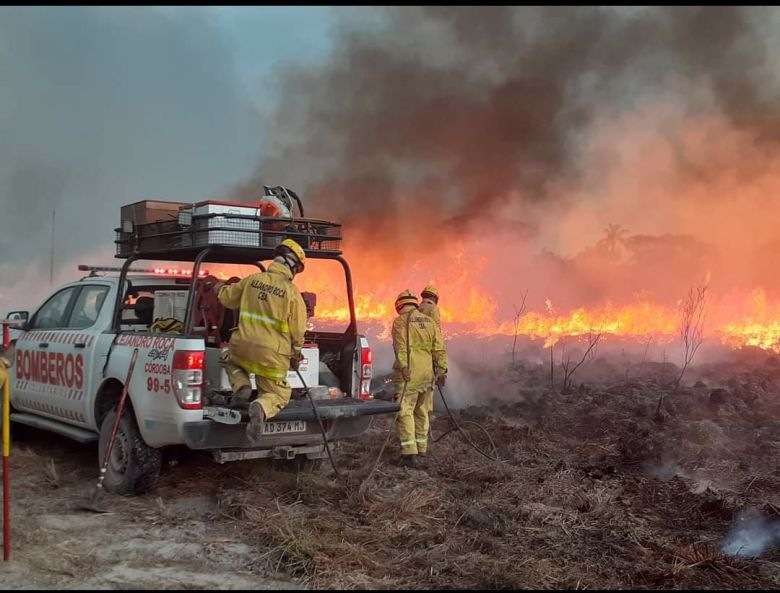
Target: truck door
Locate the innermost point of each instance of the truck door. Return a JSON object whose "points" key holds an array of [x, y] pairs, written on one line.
{"points": [[85, 340], [37, 388], [56, 362]]}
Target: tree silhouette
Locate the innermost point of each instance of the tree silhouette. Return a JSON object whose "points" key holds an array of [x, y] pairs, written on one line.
{"points": [[615, 235]]}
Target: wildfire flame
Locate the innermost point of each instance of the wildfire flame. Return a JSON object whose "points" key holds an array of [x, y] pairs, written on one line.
{"points": [[467, 308]]}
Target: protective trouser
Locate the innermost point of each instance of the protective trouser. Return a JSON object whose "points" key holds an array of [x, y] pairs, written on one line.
{"points": [[273, 394], [412, 422], [428, 396]]}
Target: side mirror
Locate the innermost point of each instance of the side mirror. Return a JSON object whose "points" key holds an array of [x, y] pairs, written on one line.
{"points": [[21, 316]]}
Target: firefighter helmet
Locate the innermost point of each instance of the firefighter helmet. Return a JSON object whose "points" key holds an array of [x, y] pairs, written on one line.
{"points": [[430, 292], [405, 298], [288, 246]]}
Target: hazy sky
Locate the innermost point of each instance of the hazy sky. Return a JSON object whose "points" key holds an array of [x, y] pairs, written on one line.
{"points": [[104, 106], [263, 38]]}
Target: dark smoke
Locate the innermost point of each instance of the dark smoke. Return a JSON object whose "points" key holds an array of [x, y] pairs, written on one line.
{"points": [[451, 111]]}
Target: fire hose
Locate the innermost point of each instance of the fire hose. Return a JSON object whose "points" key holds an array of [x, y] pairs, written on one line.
{"points": [[400, 404], [319, 421], [457, 426]]}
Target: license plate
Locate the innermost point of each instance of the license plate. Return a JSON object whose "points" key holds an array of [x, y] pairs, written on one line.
{"points": [[284, 427]]}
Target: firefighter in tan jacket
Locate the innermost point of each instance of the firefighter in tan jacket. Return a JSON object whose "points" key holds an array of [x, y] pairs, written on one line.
{"points": [[269, 338], [429, 305], [420, 360]]}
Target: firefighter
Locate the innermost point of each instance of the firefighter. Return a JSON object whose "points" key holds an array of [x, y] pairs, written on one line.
{"points": [[418, 346], [429, 305], [269, 338]]}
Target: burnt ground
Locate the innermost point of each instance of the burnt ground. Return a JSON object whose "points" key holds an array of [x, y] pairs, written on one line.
{"points": [[610, 486]]}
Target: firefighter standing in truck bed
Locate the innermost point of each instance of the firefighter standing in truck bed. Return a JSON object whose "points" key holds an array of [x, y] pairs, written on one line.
{"points": [[271, 325], [418, 347]]}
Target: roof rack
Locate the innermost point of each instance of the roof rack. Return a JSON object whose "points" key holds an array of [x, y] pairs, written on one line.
{"points": [[237, 228]]}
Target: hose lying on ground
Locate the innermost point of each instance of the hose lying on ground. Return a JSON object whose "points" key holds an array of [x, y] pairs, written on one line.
{"points": [[463, 434], [457, 426], [319, 420]]}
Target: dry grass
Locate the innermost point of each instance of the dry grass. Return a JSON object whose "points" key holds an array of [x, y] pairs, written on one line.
{"points": [[574, 506], [564, 511]]}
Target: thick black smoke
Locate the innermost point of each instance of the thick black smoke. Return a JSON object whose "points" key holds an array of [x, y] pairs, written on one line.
{"points": [[451, 111]]}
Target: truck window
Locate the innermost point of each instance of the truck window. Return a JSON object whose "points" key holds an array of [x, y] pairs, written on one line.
{"points": [[325, 278], [87, 308], [51, 315]]}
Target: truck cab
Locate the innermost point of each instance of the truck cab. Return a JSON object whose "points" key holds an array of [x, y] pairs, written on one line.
{"points": [[71, 357]]}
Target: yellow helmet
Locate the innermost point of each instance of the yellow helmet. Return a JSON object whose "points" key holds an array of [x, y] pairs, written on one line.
{"points": [[430, 291], [405, 298], [290, 246]]}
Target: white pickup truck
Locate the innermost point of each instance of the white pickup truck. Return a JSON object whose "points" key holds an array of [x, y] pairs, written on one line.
{"points": [[71, 358]]}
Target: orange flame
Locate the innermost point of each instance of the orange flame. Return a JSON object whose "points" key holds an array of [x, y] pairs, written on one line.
{"points": [[467, 308]]}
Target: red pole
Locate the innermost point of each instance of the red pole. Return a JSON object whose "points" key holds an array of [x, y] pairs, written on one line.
{"points": [[6, 511]]}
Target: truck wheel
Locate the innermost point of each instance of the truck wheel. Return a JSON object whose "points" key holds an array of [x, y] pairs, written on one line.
{"points": [[134, 466]]}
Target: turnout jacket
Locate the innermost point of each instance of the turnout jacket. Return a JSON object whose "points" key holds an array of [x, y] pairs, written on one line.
{"points": [[423, 350], [431, 309], [271, 323]]}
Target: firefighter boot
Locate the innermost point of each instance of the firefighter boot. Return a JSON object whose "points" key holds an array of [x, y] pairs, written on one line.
{"points": [[407, 461], [254, 430], [241, 397]]}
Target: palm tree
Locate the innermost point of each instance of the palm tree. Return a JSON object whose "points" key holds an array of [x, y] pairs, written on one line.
{"points": [[615, 235]]}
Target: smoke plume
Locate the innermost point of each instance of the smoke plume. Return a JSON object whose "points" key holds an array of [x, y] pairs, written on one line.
{"points": [[512, 130], [751, 535]]}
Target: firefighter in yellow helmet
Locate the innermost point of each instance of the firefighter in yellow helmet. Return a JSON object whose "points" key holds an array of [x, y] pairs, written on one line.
{"points": [[418, 346], [429, 305], [269, 338]]}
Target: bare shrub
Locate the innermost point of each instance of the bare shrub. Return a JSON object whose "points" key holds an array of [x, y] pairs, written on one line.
{"points": [[692, 314], [566, 361], [518, 314]]}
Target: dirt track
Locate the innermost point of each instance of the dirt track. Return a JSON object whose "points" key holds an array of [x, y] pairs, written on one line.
{"points": [[168, 539], [602, 488]]}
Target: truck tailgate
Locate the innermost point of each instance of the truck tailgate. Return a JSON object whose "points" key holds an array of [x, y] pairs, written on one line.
{"points": [[331, 409], [342, 418]]}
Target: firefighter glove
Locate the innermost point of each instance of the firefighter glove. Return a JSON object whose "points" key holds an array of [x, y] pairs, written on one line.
{"points": [[406, 374], [441, 379], [295, 360]]}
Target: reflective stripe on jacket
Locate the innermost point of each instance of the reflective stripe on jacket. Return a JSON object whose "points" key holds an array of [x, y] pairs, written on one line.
{"points": [[271, 322], [425, 349]]}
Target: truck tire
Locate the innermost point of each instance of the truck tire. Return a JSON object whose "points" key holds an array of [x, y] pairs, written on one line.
{"points": [[134, 466]]}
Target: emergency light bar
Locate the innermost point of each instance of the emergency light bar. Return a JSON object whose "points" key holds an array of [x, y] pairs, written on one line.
{"points": [[156, 271]]}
